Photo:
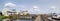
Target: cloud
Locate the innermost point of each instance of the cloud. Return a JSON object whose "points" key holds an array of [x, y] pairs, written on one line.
{"points": [[9, 5], [36, 8], [53, 7]]}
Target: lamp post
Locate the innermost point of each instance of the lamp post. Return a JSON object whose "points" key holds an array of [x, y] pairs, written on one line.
{"points": [[52, 10]]}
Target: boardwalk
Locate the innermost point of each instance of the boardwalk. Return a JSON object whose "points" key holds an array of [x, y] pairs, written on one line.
{"points": [[45, 18]]}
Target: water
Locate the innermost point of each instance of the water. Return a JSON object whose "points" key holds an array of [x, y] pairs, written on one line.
{"points": [[23, 20], [18, 20], [0, 19]]}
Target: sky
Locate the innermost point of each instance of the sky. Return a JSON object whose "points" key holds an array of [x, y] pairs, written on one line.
{"points": [[33, 6]]}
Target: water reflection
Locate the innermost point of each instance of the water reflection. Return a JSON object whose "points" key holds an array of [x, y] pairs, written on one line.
{"points": [[18, 20], [22, 20]]}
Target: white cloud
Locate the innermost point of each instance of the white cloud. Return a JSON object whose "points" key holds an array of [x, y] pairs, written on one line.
{"points": [[10, 5], [53, 7], [36, 8]]}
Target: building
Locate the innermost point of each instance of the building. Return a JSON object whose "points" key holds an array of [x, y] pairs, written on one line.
{"points": [[4, 12], [7, 8]]}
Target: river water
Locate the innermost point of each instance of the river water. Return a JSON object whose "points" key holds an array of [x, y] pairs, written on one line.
{"points": [[23, 20], [17, 20]]}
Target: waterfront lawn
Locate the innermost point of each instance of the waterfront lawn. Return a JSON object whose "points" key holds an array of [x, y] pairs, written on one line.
{"points": [[4, 17]]}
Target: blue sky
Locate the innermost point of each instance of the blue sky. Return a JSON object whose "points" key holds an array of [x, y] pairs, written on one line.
{"points": [[43, 5]]}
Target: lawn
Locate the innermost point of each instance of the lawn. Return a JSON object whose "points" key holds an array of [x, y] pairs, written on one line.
{"points": [[4, 17]]}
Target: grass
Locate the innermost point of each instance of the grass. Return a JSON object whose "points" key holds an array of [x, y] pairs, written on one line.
{"points": [[4, 17]]}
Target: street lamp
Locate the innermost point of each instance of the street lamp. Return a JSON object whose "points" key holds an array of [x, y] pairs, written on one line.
{"points": [[52, 10]]}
